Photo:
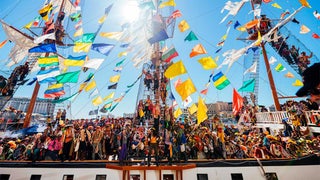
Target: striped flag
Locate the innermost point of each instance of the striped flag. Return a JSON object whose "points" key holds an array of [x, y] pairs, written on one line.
{"points": [[220, 81], [169, 54]]}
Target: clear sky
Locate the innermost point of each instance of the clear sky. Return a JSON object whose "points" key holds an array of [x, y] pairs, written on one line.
{"points": [[203, 17]]}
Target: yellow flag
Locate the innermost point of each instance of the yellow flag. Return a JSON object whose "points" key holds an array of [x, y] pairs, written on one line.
{"points": [[202, 111], [177, 113], [44, 12], [90, 86], [276, 5], [115, 78], [112, 35], [185, 89], [258, 42], [241, 28], [305, 3], [167, 3], [79, 32], [183, 26], [175, 70], [124, 53], [28, 26], [193, 108], [102, 19], [297, 83], [96, 101], [208, 63], [197, 50], [81, 47], [111, 95]]}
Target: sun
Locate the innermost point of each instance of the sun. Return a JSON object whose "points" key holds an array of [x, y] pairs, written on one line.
{"points": [[131, 11]]}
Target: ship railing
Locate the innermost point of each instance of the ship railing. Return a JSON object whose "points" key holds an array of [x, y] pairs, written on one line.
{"points": [[276, 117], [312, 117], [272, 117]]}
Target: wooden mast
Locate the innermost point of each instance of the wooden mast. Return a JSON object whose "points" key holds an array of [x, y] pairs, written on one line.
{"points": [[33, 99]]}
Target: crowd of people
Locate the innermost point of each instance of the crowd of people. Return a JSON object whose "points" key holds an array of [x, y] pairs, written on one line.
{"points": [[172, 139]]}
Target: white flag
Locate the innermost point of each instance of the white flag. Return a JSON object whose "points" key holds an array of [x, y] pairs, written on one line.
{"points": [[187, 101], [272, 60], [252, 69], [93, 93], [93, 63], [233, 8], [44, 37]]}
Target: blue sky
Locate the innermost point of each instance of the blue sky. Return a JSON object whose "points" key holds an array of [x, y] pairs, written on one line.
{"points": [[203, 17]]}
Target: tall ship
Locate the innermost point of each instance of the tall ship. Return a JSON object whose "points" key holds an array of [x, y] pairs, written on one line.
{"points": [[159, 89]]}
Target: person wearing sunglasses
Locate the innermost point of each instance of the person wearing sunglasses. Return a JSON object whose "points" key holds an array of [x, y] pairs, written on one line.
{"points": [[311, 83]]}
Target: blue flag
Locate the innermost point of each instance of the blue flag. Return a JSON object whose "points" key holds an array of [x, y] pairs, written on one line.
{"points": [[43, 48], [236, 24], [102, 48], [160, 36]]}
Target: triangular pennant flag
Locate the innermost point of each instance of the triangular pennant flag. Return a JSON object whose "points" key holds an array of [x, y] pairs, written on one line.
{"points": [[304, 29], [280, 68], [175, 69], [208, 63], [90, 85], [289, 75], [252, 68], [183, 26], [109, 96], [186, 89], [204, 91], [113, 86], [63, 99], [237, 102], [120, 63], [45, 11], [115, 78], [191, 37], [316, 36], [236, 24], [248, 86], [97, 101], [276, 5], [297, 83], [93, 63], [272, 60], [202, 111], [197, 50], [103, 48]]}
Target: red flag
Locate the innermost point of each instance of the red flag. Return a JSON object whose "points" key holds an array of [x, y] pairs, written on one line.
{"points": [[237, 102], [175, 14], [204, 92], [316, 36], [266, 1], [3, 43]]}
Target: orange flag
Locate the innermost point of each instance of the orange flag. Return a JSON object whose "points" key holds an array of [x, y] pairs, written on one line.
{"points": [[197, 50], [3, 43], [304, 29], [237, 102]]}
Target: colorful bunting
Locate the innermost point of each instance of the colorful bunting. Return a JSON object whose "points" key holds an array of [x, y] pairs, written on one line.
{"points": [[64, 99], [45, 11], [167, 3], [280, 68], [115, 78], [160, 36], [192, 109], [220, 81], [75, 17], [175, 69], [55, 90], [97, 101]]}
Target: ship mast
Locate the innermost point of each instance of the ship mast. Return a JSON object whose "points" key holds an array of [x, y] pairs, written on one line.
{"points": [[33, 99]]}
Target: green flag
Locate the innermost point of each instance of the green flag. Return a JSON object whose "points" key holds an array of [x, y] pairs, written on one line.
{"points": [[87, 38], [280, 68], [71, 77], [191, 37], [248, 86], [119, 63]]}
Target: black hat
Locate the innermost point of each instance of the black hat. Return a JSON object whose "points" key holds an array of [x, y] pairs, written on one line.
{"points": [[311, 79]]}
